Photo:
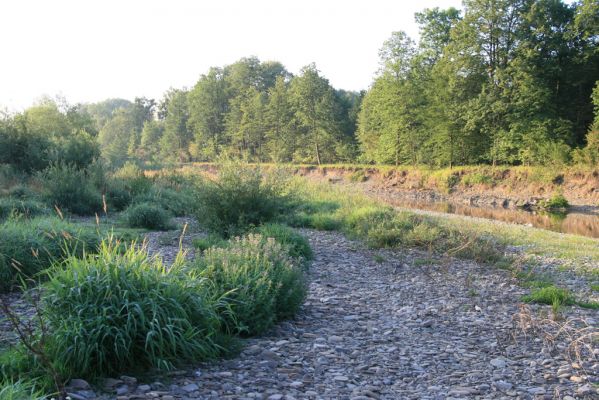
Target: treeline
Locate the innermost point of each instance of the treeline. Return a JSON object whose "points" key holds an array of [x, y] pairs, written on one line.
{"points": [[251, 109], [504, 81], [500, 82]]}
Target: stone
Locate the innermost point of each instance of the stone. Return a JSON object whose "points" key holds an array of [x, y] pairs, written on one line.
{"points": [[78, 384], [192, 387], [498, 363]]}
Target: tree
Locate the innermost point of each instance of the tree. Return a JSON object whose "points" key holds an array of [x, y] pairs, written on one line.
{"points": [[208, 105], [314, 102], [177, 136]]}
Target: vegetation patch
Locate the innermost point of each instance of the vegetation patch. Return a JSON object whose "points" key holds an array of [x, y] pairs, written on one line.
{"points": [[297, 245], [148, 216], [120, 311], [260, 283], [550, 295], [30, 246], [14, 207], [242, 197]]}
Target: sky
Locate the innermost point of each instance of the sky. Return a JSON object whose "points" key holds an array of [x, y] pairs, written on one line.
{"points": [[90, 50]]}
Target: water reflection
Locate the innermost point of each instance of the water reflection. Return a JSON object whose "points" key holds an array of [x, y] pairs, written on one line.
{"points": [[583, 222]]}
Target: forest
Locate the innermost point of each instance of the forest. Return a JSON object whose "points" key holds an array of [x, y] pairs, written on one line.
{"points": [[505, 82]]}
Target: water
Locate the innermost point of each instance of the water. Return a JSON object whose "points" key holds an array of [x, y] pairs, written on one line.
{"points": [[578, 220]]}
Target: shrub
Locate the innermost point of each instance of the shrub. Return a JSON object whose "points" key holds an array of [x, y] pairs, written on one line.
{"points": [[133, 179], [118, 196], [30, 246], [209, 241], [21, 208], [21, 192], [179, 203], [118, 311], [550, 295], [556, 202], [148, 216], [259, 281], [240, 198], [297, 245], [70, 188]]}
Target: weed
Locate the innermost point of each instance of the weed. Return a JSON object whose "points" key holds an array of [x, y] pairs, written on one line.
{"points": [[297, 245]]}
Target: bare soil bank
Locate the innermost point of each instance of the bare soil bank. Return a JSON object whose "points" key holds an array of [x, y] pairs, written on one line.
{"points": [[515, 187]]}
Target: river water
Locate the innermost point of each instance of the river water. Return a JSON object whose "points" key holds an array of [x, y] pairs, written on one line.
{"points": [[578, 220]]}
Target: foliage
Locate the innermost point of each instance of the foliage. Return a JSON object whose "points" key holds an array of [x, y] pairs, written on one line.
{"points": [[30, 246], [550, 295], [119, 311], [11, 207], [69, 188], [148, 216], [297, 245], [241, 197], [556, 202], [20, 390], [258, 280]]}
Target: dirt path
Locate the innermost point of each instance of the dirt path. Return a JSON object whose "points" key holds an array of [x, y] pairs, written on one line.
{"points": [[406, 327]]}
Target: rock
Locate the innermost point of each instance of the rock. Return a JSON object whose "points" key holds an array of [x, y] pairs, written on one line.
{"points": [[586, 390], [502, 386], [110, 383], [535, 391], [144, 388], [129, 380], [498, 363], [121, 390], [192, 387], [78, 384]]}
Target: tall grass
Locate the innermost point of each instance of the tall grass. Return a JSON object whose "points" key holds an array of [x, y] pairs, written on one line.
{"points": [[120, 311], [20, 390], [29, 246]]}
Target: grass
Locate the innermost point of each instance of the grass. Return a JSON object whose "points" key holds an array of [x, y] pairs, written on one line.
{"points": [[20, 390], [336, 208], [557, 202], [29, 246], [297, 246], [550, 295], [121, 311], [16, 207]]}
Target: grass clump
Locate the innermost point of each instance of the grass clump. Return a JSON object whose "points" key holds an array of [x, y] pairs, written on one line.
{"points": [[550, 295], [119, 311], [240, 198], [13, 207], [148, 216], [258, 279], [20, 390], [297, 245], [30, 246], [204, 243]]}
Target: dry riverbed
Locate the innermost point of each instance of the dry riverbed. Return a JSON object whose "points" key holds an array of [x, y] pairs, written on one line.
{"points": [[391, 324], [397, 324]]}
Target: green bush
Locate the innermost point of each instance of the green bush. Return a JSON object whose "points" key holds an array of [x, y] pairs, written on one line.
{"points": [[133, 179], [550, 295], [148, 216], [179, 203], [30, 246], [204, 243], [297, 245], [259, 281], [558, 201], [240, 198], [119, 311], [118, 197], [70, 188], [21, 208], [21, 192]]}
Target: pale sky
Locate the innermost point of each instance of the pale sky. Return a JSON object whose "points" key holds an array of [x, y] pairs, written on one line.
{"points": [[90, 50]]}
